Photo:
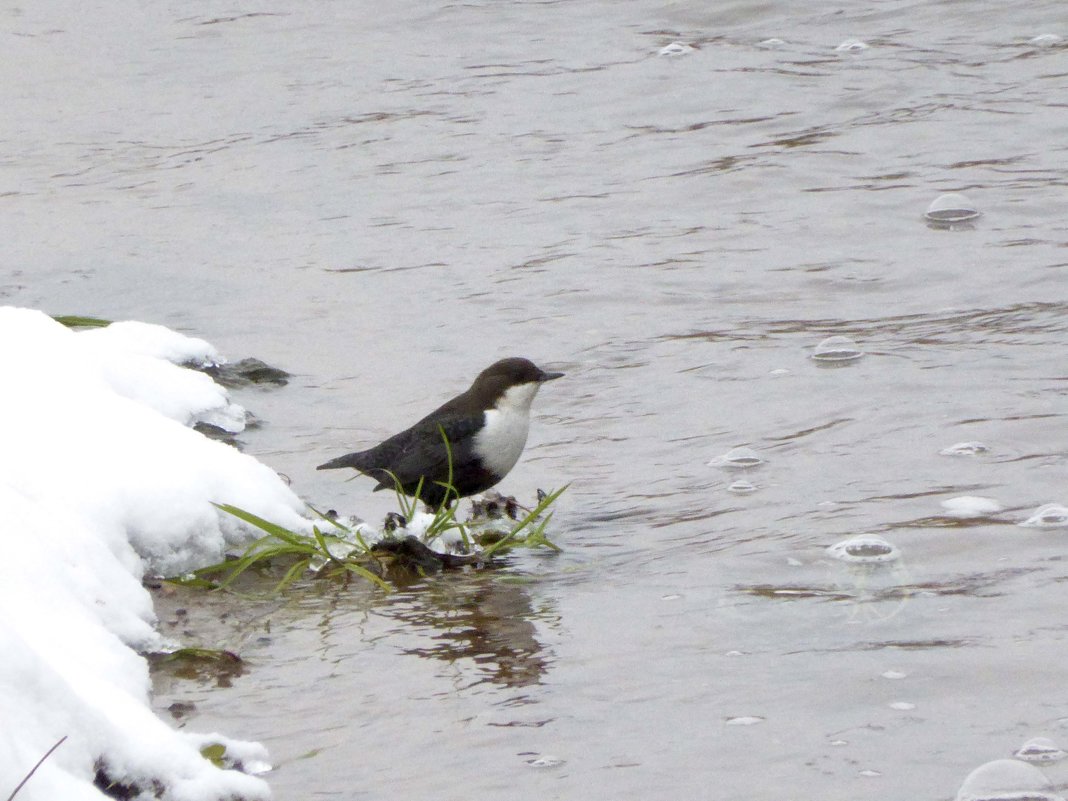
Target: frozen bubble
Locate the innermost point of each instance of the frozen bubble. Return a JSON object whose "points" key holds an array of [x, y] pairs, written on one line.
{"points": [[744, 720], [971, 506], [676, 49], [1006, 780], [743, 456], [869, 773], [546, 761], [902, 706], [865, 548], [837, 349], [774, 41], [851, 46], [952, 207], [670, 597], [893, 674], [964, 449], [742, 487], [256, 767], [1052, 515], [1046, 40], [1041, 750]]}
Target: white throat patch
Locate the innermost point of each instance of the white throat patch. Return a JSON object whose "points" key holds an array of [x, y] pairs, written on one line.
{"points": [[501, 441]]}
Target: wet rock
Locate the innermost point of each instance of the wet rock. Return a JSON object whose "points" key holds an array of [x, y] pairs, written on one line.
{"points": [[219, 434], [412, 554], [393, 521], [247, 372], [494, 506], [199, 664], [125, 791], [181, 709]]}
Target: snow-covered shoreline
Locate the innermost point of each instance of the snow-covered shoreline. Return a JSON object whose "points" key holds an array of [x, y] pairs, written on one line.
{"points": [[102, 481]]}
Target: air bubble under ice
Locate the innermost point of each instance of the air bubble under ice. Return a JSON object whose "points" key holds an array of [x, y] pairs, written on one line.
{"points": [[1006, 780], [950, 208], [837, 349], [1052, 515], [1040, 750], [1046, 40], [675, 49], [964, 449], [864, 549], [742, 456], [742, 487]]}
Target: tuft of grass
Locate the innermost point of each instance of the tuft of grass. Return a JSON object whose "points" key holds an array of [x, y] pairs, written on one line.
{"points": [[330, 555], [76, 321], [534, 524], [343, 552]]}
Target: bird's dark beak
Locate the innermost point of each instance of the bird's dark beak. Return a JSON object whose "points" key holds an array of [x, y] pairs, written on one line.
{"points": [[547, 376]]}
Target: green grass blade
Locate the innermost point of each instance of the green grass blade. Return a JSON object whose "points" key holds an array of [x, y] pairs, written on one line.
{"points": [[321, 541], [267, 526], [533, 514], [363, 572], [77, 321], [292, 574]]}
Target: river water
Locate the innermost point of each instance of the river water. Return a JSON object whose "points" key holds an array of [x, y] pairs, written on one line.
{"points": [[384, 198]]}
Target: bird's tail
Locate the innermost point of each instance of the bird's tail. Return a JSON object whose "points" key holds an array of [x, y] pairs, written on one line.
{"points": [[348, 460]]}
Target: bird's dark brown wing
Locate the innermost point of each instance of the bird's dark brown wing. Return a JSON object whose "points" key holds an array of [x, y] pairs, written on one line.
{"points": [[420, 451]]}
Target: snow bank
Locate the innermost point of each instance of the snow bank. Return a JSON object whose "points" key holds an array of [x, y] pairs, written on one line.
{"points": [[101, 482]]}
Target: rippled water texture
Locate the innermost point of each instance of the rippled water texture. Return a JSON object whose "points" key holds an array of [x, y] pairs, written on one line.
{"points": [[384, 198]]}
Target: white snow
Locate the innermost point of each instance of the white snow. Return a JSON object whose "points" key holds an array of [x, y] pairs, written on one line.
{"points": [[101, 482]]}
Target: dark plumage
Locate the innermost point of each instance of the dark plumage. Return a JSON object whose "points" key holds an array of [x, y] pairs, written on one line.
{"points": [[486, 427]]}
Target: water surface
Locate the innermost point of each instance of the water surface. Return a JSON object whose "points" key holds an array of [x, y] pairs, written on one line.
{"points": [[383, 200]]}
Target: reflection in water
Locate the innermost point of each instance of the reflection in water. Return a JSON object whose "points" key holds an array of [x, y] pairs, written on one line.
{"points": [[485, 619]]}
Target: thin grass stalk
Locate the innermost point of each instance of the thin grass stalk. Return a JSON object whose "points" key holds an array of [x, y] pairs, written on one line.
{"points": [[251, 557], [328, 519], [33, 770], [321, 541]]}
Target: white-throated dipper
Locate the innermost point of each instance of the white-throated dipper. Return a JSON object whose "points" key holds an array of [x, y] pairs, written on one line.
{"points": [[486, 428]]}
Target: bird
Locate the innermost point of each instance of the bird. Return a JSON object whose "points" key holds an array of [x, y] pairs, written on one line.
{"points": [[486, 430]]}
